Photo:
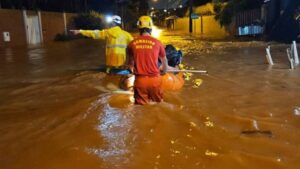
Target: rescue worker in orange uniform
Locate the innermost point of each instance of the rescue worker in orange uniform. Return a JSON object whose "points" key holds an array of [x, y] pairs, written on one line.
{"points": [[144, 53], [116, 41]]}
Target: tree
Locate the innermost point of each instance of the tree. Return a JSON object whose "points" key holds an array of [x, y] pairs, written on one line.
{"points": [[90, 21]]}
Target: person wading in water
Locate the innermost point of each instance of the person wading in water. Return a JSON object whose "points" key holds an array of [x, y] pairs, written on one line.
{"points": [[144, 53], [116, 42]]}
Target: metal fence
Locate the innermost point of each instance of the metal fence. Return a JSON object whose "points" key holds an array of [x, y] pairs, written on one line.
{"points": [[248, 17]]}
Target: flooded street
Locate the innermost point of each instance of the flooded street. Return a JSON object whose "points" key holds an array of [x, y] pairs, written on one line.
{"points": [[58, 112]]}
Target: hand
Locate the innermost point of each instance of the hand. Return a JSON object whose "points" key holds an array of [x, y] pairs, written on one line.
{"points": [[75, 32], [162, 72]]}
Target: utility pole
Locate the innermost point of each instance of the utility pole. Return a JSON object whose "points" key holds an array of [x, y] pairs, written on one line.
{"points": [[190, 19]]}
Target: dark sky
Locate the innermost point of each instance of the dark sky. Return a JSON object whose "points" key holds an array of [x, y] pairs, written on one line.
{"points": [[107, 5], [102, 5], [163, 4]]}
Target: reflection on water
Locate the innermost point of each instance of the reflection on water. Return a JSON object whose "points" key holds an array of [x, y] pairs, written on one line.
{"points": [[36, 58], [8, 54], [115, 126], [57, 111]]}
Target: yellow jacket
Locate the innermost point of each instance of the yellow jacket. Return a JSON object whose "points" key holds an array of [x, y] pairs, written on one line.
{"points": [[116, 43]]}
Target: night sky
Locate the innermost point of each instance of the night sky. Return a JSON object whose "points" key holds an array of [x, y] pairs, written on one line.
{"points": [[164, 4], [102, 5], [107, 5]]}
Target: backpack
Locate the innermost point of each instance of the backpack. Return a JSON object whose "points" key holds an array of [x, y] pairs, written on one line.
{"points": [[174, 56]]}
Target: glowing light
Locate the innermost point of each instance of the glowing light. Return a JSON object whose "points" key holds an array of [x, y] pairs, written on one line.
{"points": [[165, 10], [156, 32], [108, 19], [152, 8], [180, 6]]}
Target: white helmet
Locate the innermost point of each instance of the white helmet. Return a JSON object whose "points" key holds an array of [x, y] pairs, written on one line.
{"points": [[117, 19]]}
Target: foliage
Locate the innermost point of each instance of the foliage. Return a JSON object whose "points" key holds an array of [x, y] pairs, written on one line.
{"points": [[130, 10], [226, 10], [91, 21]]}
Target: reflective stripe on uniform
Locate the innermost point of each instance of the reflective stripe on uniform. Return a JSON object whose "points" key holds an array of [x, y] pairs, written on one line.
{"points": [[96, 32], [116, 46]]}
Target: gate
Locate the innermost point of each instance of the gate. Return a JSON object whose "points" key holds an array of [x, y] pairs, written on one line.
{"points": [[33, 30]]}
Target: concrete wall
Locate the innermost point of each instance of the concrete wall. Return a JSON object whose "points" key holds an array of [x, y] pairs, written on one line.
{"points": [[12, 21], [52, 24]]}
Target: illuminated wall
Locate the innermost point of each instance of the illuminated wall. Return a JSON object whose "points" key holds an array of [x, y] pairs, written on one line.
{"points": [[211, 27]]}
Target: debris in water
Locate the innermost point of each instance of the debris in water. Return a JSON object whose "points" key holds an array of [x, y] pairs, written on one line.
{"points": [[181, 66], [192, 124], [197, 83], [187, 76], [297, 111], [158, 156], [172, 142], [209, 124], [189, 136], [210, 153], [255, 125], [254, 132]]}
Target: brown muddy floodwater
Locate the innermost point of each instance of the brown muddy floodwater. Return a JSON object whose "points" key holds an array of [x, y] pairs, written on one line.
{"points": [[58, 112]]}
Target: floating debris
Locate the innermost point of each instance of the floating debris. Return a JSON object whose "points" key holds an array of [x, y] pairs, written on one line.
{"points": [[209, 124], [192, 124], [210, 153], [255, 125], [297, 111], [187, 76], [172, 142], [189, 135], [181, 66], [255, 132], [158, 156], [197, 83]]}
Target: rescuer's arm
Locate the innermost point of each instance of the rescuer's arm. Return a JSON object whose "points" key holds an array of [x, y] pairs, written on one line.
{"points": [[95, 34], [164, 64], [130, 60], [163, 59]]}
